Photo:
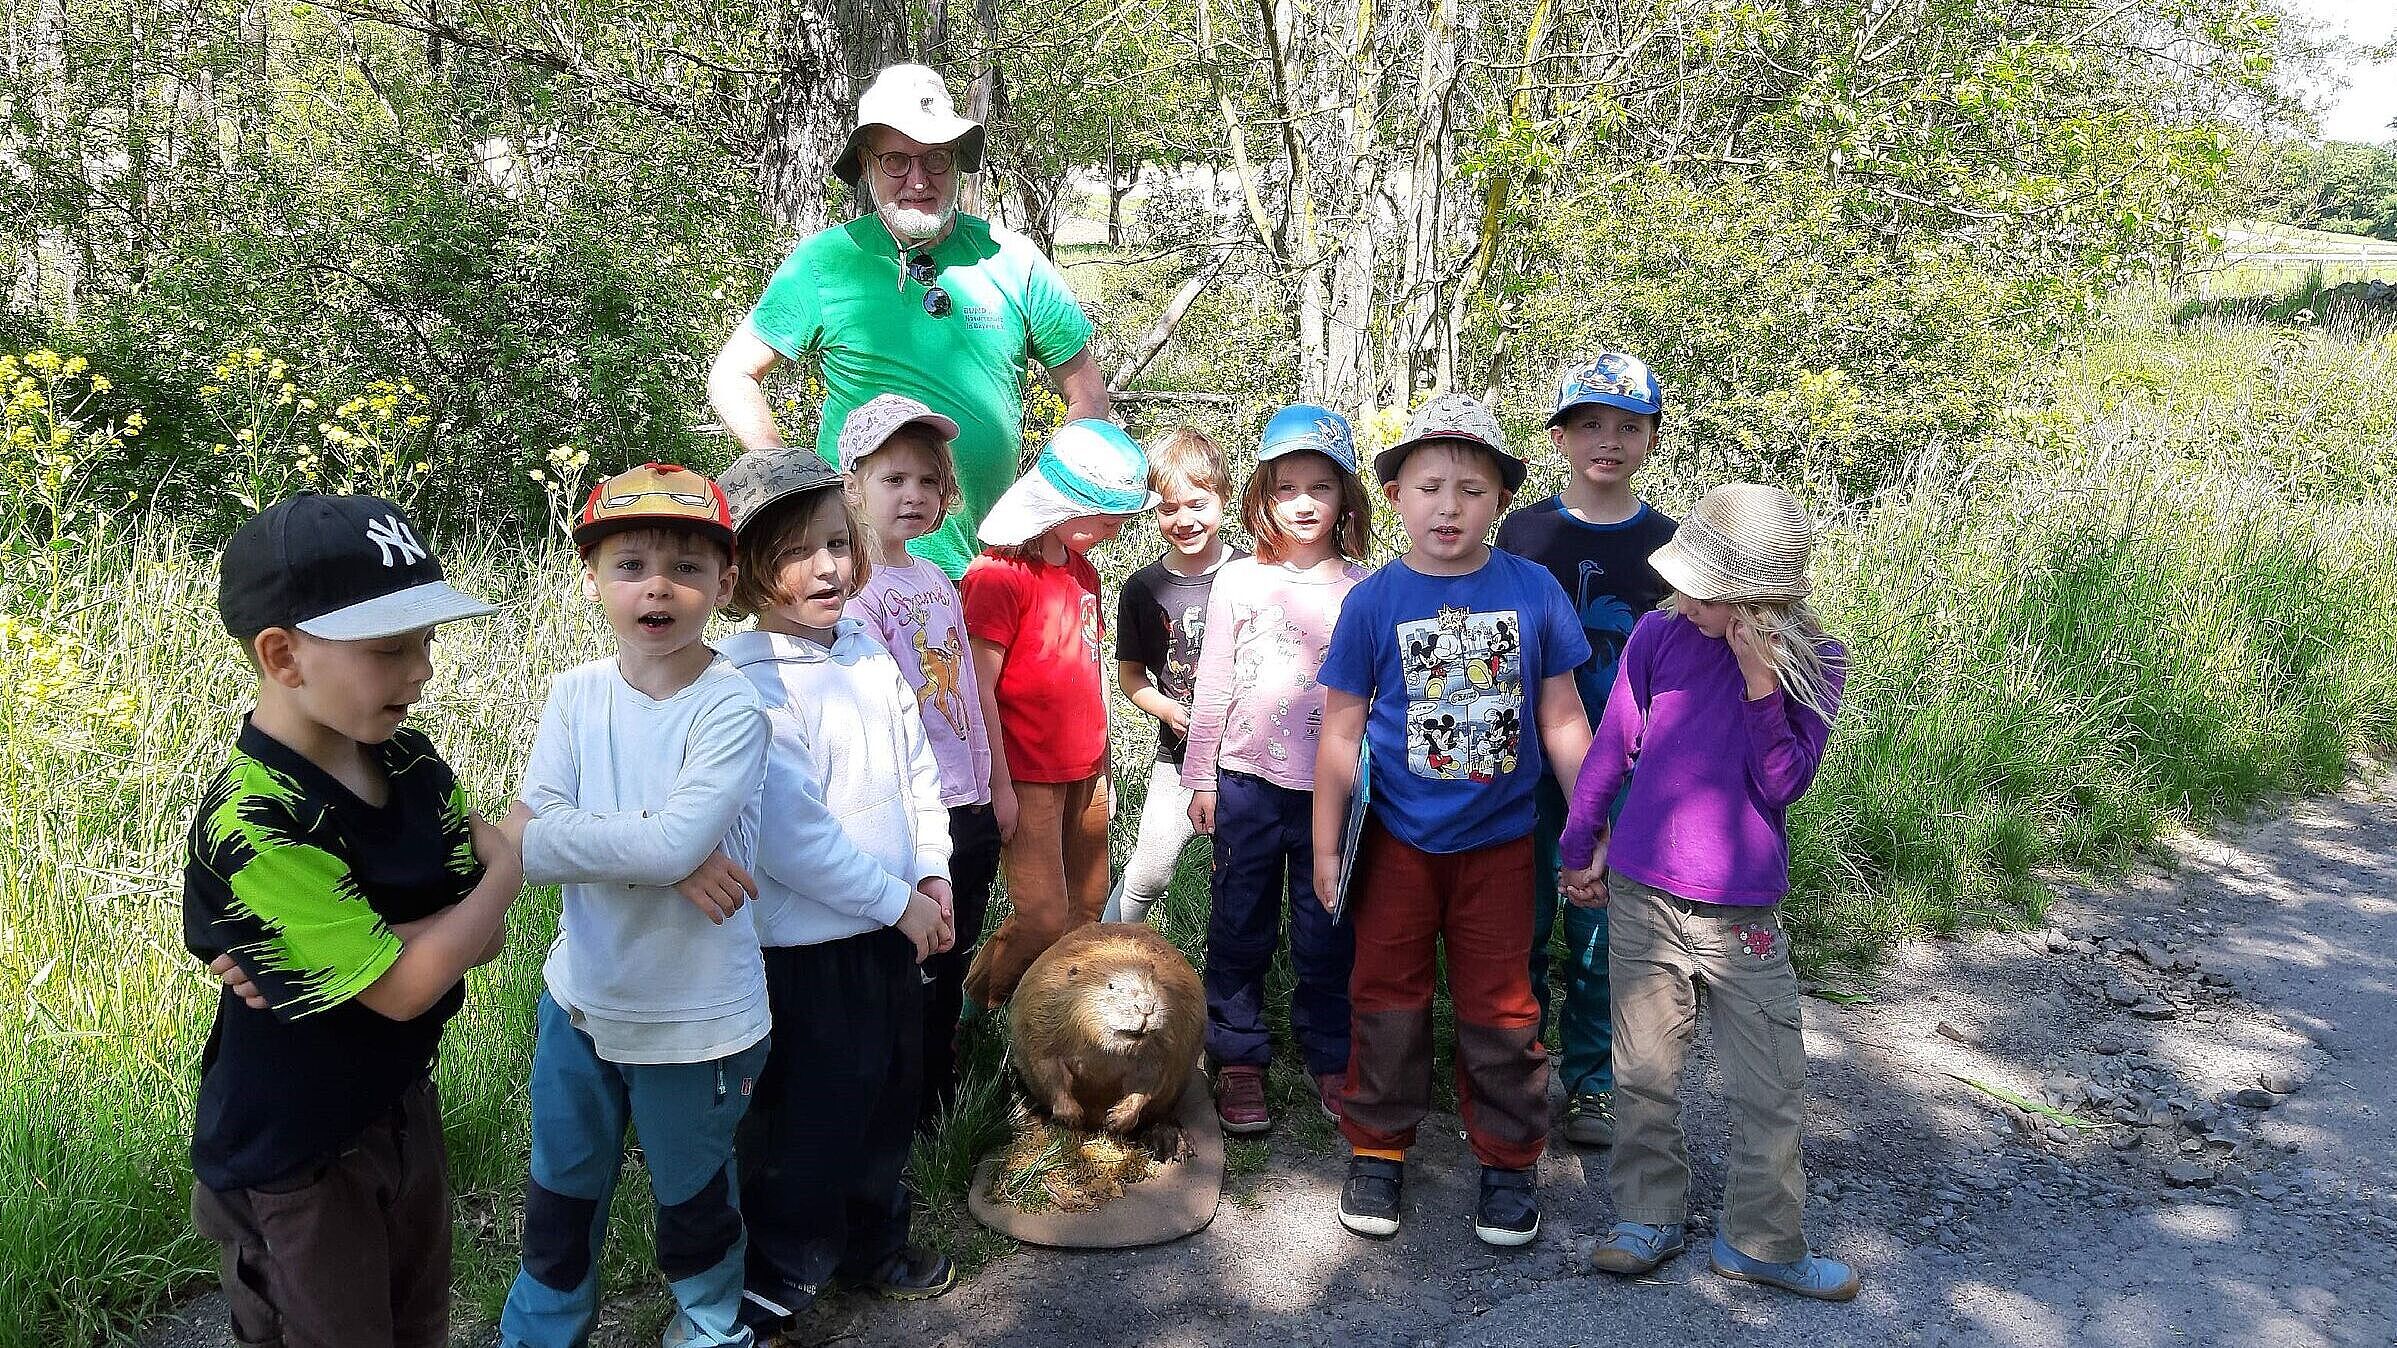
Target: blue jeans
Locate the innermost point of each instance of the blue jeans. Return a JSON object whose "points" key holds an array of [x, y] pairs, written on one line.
{"points": [[1585, 1020], [686, 1113], [1264, 847]]}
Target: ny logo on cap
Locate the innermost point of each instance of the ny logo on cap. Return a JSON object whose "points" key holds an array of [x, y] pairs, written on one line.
{"points": [[389, 535]]}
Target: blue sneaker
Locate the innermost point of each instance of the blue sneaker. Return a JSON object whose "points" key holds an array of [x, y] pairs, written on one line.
{"points": [[1636, 1247], [1813, 1276]]}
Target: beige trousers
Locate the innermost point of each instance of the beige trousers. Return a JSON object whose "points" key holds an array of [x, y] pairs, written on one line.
{"points": [[1660, 947]]}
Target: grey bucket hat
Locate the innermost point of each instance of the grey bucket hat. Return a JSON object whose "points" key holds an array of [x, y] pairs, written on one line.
{"points": [[1453, 416], [913, 101], [761, 477]]}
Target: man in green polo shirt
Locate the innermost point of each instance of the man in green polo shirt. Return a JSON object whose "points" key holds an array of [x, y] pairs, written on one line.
{"points": [[916, 299]]}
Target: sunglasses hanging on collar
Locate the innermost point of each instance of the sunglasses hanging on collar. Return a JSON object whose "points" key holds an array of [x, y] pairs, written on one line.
{"points": [[920, 268]]}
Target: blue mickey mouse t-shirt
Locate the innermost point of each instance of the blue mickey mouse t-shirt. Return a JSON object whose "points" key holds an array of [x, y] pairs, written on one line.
{"points": [[1452, 668], [1605, 574]]}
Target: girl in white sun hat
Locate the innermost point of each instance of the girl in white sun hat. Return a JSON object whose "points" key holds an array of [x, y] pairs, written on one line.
{"points": [[1032, 613], [1726, 699]]}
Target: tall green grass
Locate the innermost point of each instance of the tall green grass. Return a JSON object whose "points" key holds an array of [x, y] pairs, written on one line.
{"points": [[2150, 613]]}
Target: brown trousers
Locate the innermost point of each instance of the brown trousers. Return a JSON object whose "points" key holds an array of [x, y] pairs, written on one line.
{"points": [[1056, 872], [1659, 947], [353, 1253]]}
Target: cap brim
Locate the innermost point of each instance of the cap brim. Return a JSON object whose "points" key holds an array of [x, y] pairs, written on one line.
{"points": [[943, 426], [1032, 507], [1604, 400], [409, 610], [1272, 452], [753, 513], [1511, 470]]}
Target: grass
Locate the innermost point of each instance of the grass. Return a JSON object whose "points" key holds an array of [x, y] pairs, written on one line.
{"points": [[2171, 596]]}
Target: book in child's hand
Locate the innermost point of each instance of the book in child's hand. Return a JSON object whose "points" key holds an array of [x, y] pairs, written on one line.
{"points": [[1353, 831]]}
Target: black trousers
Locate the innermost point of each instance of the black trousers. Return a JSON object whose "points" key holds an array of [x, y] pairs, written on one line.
{"points": [[973, 865], [825, 1142]]}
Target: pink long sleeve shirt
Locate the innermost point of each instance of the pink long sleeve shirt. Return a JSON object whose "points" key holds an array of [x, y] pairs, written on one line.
{"points": [[1704, 818], [1257, 707]]}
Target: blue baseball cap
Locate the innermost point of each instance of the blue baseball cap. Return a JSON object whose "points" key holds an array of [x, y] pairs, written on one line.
{"points": [[1089, 467], [1307, 426], [1611, 379]]}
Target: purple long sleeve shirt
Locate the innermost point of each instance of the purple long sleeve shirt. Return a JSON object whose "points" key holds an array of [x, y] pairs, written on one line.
{"points": [[1705, 815]]}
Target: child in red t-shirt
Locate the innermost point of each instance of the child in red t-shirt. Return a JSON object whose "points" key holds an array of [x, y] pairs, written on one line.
{"points": [[1032, 613]]}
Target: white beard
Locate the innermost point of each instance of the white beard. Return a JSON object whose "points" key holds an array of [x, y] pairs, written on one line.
{"points": [[913, 226]]}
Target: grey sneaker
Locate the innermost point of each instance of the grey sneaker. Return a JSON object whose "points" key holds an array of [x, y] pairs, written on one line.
{"points": [[1590, 1119]]}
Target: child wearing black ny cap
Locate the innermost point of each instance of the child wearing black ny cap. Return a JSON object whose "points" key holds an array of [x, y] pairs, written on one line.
{"points": [[338, 882]]}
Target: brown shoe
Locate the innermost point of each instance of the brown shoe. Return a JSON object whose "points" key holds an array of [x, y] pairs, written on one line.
{"points": [[1327, 1093], [1240, 1099]]}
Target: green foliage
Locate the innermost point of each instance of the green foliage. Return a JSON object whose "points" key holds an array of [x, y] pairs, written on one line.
{"points": [[2338, 186], [1793, 350]]}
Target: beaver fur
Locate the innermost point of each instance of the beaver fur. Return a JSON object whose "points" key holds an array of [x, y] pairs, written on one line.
{"points": [[1107, 1026]]}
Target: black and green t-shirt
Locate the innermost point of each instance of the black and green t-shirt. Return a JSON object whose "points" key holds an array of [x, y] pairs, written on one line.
{"points": [[301, 882]]}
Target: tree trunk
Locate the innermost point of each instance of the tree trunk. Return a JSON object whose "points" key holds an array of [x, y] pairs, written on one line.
{"points": [[823, 51]]}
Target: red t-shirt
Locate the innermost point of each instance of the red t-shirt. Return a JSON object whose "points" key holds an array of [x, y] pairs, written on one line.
{"points": [[1052, 705]]}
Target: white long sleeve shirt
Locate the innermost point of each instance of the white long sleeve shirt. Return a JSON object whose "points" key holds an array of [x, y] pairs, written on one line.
{"points": [[630, 794], [852, 818]]}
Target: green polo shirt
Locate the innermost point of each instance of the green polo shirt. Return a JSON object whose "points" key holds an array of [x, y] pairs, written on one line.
{"points": [[841, 297]]}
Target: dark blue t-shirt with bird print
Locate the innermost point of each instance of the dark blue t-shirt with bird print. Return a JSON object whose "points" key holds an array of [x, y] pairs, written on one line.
{"points": [[1605, 574]]}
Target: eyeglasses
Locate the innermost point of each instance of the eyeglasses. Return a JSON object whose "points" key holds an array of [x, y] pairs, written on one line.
{"points": [[896, 163], [922, 270], [691, 499]]}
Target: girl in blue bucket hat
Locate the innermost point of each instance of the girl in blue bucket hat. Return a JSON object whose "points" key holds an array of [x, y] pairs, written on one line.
{"points": [[1032, 613]]}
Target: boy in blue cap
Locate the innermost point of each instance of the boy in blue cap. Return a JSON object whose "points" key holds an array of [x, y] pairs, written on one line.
{"points": [[1594, 537]]}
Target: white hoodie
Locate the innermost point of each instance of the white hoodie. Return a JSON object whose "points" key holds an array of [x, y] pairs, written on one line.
{"points": [[851, 815]]}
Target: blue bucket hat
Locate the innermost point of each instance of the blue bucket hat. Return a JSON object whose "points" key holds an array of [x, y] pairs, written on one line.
{"points": [[1307, 426], [1088, 467], [1612, 379]]}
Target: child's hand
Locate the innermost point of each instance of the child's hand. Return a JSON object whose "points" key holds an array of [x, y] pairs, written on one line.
{"points": [[1202, 811], [1754, 651], [1327, 879], [938, 890], [1002, 808], [1584, 888], [230, 974], [921, 924], [499, 847], [512, 823], [1176, 718], [718, 888]]}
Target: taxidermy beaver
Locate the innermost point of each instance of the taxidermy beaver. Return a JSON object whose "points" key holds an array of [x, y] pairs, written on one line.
{"points": [[1107, 1025]]}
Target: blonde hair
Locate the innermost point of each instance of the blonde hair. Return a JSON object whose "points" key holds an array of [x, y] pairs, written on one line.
{"points": [[757, 588], [1795, 641], [922, 437], [1184, 456]]}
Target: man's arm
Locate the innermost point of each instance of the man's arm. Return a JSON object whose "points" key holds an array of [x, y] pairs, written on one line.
{"points": [[1079, 381], [736, 389]]}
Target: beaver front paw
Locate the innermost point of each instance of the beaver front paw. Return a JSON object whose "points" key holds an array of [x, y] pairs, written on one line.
{"points": [[1125, 1115]]}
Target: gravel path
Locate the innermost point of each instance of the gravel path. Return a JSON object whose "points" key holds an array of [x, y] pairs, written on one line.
{"points": [[2221, 1025]]}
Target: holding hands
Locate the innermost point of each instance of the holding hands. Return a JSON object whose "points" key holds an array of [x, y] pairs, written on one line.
{"points": [[1586, 888], [929, 921]]}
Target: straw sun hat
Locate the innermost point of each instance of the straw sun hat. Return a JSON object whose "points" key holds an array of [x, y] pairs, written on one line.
{"points": [[1743, 543]]}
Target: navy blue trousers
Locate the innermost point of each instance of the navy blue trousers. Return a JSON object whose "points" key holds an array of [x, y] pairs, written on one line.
{"points": [[1264, 850]]}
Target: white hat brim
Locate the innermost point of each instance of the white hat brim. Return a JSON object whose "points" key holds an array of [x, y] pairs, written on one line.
{"points": [[1033, 506], [419, 606]]}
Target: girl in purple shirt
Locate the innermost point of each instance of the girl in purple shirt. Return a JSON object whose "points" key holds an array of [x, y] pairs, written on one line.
{"points": [[1724, 701]]}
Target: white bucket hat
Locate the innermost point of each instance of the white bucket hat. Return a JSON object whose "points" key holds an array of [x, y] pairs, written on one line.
{"points": [[874, 422], [912, 101], [1088, 467], [1743, 543]]}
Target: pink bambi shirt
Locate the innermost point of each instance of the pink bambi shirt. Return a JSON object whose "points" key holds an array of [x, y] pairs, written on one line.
{"points": [[1257, 708]]}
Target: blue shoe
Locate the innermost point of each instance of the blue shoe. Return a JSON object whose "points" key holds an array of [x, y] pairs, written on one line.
{"points": [[1813, 1276], [1636, 1247]]}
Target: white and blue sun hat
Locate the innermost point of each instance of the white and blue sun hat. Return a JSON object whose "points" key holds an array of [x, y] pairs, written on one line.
{"points": [[1305, 426], [1089, 467], [1610, 379]]}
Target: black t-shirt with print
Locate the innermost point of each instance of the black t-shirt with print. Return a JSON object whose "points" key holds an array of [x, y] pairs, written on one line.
{"points": [[301, 882], [1605, 573], [1160, 619]]}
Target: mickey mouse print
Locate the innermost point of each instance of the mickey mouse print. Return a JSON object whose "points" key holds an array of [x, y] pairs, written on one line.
{"points": [[1464, 670]]}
